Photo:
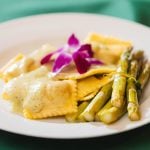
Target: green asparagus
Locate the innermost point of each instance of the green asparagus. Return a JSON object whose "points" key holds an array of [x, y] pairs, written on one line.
{"points": [[106, 106], [144, 76], [75, 116], [139, 56], [97, 103], [119, 84], [132, 98], [110, 114]]}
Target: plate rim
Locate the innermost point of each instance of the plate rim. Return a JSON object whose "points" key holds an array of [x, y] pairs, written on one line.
{"points": [[24, 18]]}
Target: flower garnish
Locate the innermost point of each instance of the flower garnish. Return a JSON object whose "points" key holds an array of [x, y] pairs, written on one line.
{"points": [[81, 55]]}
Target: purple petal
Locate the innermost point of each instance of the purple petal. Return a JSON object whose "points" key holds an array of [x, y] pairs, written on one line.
{"points": [[73, 41], [95, 61], [81, 63], [46, 58], [86, 48], [61, 61]]}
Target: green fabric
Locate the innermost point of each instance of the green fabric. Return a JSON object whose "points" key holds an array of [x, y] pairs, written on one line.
{"points": [[136, 10]]}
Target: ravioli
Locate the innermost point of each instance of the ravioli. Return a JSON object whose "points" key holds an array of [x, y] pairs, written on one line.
{"points": [[23, 64], [107, 48], [36, 96], [4, 71], [94, 70], [88, 87]]}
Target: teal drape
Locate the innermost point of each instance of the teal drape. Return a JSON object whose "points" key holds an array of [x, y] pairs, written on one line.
{"points": [[136, 10]]}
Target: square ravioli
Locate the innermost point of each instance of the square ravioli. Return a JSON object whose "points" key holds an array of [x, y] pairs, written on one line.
{"points": [[37, 96], [107, 48]]}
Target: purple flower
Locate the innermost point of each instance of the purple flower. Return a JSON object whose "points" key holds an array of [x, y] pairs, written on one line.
{"points": [[82, 55]]}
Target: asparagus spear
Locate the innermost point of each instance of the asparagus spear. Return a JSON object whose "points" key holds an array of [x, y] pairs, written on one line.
{"points": [[97, 103], [132, 98], [144, 76], [139, 56], [110, 114], [75, 116], [119, 83], [106, 106], [132, 95]]}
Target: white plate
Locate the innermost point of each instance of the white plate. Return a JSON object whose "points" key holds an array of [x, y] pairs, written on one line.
{"points": [[29, 33]]}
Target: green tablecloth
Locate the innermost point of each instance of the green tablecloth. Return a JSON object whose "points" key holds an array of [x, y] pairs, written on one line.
{"points": [[136, 10]]}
